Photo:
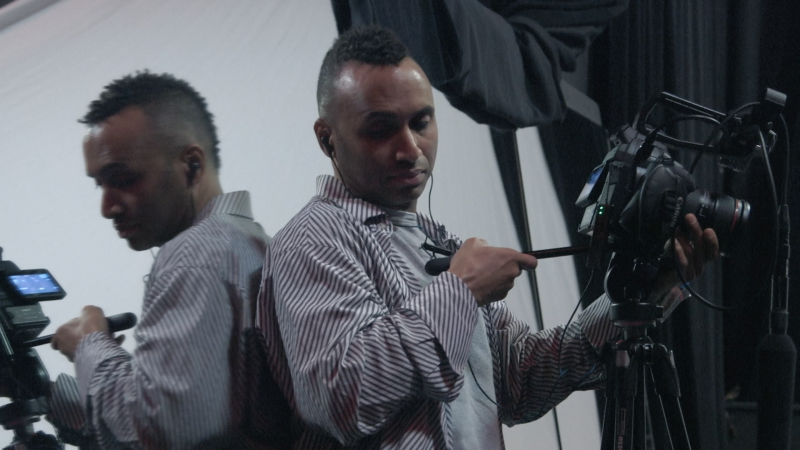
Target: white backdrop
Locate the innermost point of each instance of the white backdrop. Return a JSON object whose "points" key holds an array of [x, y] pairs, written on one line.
{"points": [[256, 63]]}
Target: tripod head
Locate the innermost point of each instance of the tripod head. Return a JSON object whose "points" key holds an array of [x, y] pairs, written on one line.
{"points": [[19, 416], [628, 284]]}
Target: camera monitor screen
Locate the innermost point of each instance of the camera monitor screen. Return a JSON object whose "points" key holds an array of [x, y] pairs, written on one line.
{"points": [[591, 190], [35, 284]]}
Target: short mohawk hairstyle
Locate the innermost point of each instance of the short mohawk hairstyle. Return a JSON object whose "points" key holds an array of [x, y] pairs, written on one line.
{"points": [[156, 93], [373, 44]]}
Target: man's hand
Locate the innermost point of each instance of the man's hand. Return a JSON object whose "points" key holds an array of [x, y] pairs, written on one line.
{"points": [[489, 272], [694, 247], [69, 335]]}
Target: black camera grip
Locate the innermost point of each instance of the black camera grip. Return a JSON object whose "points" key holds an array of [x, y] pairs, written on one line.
{"points": [[117, 322], [437, 265]]}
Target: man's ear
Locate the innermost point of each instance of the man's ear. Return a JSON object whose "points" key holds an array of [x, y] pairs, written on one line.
{"points": [[323, 133], [194, 160]]}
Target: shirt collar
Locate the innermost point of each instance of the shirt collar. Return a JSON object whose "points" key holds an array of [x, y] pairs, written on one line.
{"points": [[233, 203], [334, 190]]}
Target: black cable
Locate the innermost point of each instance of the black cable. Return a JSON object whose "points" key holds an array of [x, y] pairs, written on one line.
{"points": [[685, 284], [341, 178], [430, 214], [653, 134], [717, 130], [773, 190], [558, 365], [786, 162], [561, 346]]}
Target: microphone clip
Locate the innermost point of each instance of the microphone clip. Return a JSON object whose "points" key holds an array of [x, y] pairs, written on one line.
{"points": [[437, 250]]}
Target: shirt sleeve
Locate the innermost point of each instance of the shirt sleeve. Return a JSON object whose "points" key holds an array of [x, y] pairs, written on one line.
{"points": [[65, 412], [173, 392], [355, 362], [536, 371]]}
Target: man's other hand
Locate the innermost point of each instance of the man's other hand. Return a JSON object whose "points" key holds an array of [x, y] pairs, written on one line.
{"points": [[694, 248], [69, 335], [489, 272]]}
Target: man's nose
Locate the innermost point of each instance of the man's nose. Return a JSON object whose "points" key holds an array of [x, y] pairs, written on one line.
{"points": [[407, 148], [110, 204]]}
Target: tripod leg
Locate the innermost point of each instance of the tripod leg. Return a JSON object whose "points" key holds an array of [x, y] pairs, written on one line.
{"points": [[620, 415], [668, 391], [661, 434], [640, 415], [607, 442]]}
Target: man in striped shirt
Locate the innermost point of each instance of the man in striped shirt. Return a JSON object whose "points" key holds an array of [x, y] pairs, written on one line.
{"points": [[370, 350], [152, 149]]}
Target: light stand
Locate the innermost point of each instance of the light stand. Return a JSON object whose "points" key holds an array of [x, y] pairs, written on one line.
{"points": [[777, 357]]}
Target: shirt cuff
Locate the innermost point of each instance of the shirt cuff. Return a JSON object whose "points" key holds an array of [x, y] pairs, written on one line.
{"points": [[65, 410], [93, 350], [596, 323]]}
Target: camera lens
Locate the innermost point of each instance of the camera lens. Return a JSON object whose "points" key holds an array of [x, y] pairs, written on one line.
{"points": [[725, 214]]}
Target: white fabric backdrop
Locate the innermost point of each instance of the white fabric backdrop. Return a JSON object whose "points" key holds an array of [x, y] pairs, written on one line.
{"points": [[256, 63]]}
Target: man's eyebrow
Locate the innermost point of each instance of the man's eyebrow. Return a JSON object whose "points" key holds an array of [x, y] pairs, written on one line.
{"points": [[381, 115], [426, 111], [384, 115], [107, 170]]}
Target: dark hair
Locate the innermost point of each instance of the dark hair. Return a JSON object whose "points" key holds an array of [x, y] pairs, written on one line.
{"points": [[374, 45], [160, 95]]}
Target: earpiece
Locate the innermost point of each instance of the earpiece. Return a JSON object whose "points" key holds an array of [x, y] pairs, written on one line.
{"points": [[194, 166], [326, 141]]}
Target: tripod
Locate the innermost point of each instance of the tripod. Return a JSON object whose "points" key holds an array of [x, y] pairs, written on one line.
{"points": [[20, 416], [641, 375], [25, 380]]}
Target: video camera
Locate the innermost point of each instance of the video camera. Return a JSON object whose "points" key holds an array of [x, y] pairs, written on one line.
{"points": [[635, 200], [23, 377]]}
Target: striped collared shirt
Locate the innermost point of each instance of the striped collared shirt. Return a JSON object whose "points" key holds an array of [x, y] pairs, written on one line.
{"points": [[369, 359], [176, 390]]}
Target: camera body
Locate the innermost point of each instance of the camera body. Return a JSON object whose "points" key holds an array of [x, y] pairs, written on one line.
{"points": [[639, 195], [23, 377], [21, 315]]}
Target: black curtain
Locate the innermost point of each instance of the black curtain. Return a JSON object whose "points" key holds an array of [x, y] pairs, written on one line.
{"points": [[499, 61], [720, 54], [679, 47]]}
